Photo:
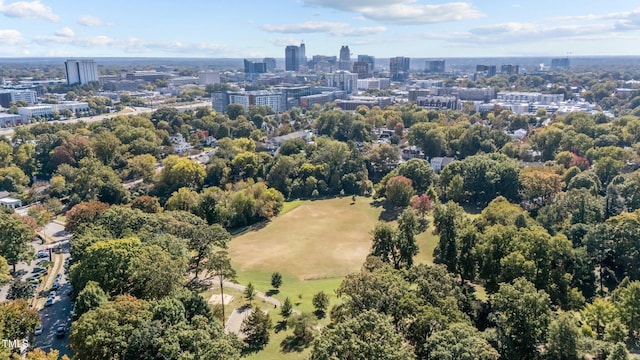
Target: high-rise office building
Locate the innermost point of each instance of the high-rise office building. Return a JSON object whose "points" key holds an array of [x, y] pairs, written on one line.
{"points": [[486, 70], [399, 68], [343, 80], [252, 67], [270, 63], [510, 69], [434, 66], [344, 62], [81, 71], [561, 63], [302, 55], [292, 58], [371, 60], [345, 54], [362, 69]]}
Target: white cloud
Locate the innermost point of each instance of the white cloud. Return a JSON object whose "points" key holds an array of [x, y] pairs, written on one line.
{"points": [[90, 21], [356, 32], [422, 14], [332, 28], [11, 37], [137, 46], [48, 40], [305, 27], [353, 5], [580, 28], [408, 12], [280, 42], [65, 32], [28, 10], [94, 41]]}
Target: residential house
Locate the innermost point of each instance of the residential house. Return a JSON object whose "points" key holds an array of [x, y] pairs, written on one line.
{"points": [[438, 163], [179, 144], [412, 152]]}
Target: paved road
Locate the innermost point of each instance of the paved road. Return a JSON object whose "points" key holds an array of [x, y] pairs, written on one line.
{"points": [[137, 111], [58, 314]]}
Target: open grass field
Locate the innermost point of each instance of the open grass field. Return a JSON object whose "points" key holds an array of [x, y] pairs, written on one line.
{"points": [[313, 244], [315, 240]]}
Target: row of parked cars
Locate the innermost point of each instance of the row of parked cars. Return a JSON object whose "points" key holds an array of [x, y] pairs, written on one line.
{"points": [[53, 292]]}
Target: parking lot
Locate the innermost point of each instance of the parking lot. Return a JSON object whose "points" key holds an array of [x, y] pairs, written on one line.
{"points": [[56, 313]]}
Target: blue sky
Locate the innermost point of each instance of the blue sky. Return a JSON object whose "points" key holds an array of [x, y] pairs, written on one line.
{"points": [[259, 28]]}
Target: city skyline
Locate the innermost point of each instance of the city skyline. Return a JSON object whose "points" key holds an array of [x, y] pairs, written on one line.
{"points": [[252, 29]]}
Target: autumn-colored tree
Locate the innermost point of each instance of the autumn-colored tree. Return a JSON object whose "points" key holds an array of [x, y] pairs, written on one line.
{"points": [[422, 205], [84, 213], [146, 203], [539, 186], [399, 191]]}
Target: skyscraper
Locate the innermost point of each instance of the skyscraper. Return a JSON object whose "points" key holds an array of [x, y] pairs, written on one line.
{"points": [[561, 63], [302, 57], [399, 68], [434, 66], [362, 69], [345, 54], [81, 71], [252, 67], [486, 70], [344, 63], [270, 62], [510, 69], [292, 58], [369, 60]]}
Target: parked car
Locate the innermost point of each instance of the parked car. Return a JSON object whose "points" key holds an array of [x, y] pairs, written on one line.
{"points": [[55, 286], [49, 302], [43, 254], [52, 294], [19, 273], [39, 269], [60, 331], [35, 278], [38, 331]]}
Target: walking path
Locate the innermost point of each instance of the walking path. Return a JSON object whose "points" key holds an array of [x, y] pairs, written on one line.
{"points": [[234, 323]]}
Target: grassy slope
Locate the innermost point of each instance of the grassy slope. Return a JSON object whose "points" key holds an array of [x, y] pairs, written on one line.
{"points": [[314, 244]]}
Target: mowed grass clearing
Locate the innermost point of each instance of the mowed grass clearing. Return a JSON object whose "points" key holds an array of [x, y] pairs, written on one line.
{"points": [[314, 240], [313, 244]]}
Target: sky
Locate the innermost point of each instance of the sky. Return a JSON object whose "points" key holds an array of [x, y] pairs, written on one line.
{"points": [[262, 28]]}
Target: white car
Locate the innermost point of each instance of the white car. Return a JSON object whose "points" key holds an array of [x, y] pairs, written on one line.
{"points": [[38, 331]]}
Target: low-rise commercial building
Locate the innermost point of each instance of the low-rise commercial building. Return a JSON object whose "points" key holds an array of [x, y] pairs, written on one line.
{"points": [[7, 120]]}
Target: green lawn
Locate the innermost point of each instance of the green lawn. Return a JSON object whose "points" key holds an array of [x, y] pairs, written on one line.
{"points": [[427, 242], [316, 240], [273, 350], [313, 244]]}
